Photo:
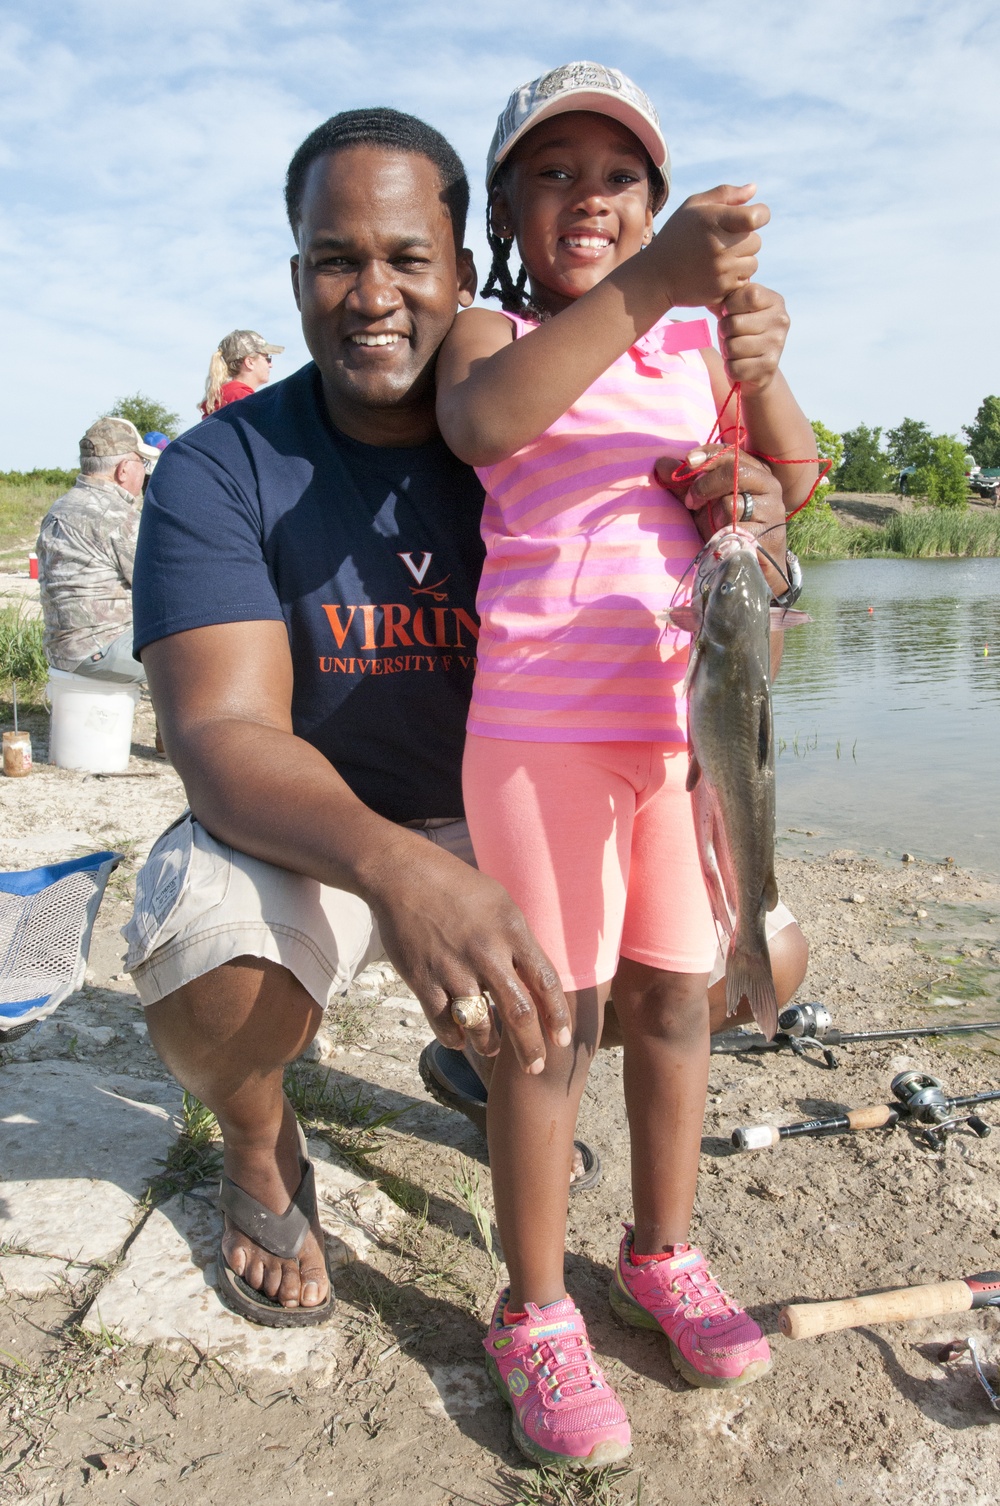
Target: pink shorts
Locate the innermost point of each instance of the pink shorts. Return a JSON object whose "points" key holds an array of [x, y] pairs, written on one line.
{"points": [[596, 843]]}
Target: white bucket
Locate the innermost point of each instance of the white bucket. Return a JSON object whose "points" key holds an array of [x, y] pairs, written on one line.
{"points": [[91, 722]]}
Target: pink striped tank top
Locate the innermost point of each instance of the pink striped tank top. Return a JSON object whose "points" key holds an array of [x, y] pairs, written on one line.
{"points": [[584, 548]]}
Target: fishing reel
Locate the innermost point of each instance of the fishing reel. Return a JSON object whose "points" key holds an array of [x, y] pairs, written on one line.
{"points": [[805, 1027], [924, 1099]]}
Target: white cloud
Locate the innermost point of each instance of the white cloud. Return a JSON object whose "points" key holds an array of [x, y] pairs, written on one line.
{"points": [[142, 159]]}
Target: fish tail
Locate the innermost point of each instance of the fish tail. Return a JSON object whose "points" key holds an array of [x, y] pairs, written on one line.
{"points": [[748, 976]]}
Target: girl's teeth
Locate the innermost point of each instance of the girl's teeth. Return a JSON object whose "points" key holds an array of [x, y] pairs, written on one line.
{"points": [[598, 242], [374, 339]]}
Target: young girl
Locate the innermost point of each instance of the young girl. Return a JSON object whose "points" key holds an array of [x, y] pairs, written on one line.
{"points": [[577, 756]]}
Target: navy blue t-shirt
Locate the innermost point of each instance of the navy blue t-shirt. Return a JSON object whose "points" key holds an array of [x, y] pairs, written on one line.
{"points": [[371, 557]]}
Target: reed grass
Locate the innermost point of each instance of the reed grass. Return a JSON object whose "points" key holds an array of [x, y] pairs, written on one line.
{"points": [[927, 533]]}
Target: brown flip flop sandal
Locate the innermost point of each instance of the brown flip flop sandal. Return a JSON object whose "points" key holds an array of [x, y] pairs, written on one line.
{"points": [[281, 1234]]}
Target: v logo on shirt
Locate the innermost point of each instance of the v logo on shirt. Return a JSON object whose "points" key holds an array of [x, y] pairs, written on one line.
{"points": [[417, 571]]}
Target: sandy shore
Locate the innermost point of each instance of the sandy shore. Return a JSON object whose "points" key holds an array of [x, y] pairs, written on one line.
{"points": [[400, 1411]]}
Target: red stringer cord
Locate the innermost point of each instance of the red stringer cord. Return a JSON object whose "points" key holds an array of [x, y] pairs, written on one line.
{"points": [[735, 395]]}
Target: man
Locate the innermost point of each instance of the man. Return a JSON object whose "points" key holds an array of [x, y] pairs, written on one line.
{"points": [[305, 592], [86, 548]]}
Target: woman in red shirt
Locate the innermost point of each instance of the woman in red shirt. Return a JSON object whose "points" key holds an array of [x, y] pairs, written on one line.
{"points": [[240, 365]]}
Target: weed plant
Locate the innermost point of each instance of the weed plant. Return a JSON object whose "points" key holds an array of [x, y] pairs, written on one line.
{"points": [[22, 656]]}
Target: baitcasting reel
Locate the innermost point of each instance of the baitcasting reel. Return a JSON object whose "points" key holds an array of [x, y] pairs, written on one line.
{"points": [[924, 1099]]}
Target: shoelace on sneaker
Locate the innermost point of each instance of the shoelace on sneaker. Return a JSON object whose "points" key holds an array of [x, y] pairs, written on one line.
{"points": [[565, 1375], [697, 1289]]}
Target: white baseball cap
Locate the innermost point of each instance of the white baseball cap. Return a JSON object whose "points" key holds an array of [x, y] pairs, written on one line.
{"points": [[582, 86]]}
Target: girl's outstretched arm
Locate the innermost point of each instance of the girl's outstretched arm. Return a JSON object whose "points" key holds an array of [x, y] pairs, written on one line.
{"points": [[496, 394], [753, 324]]}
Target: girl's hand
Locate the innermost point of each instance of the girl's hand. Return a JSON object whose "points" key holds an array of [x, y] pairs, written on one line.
{"points": [[753, 325], [709, 496], [707, 249]]}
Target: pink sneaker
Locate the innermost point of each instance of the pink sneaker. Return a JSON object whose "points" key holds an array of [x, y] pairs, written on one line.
{"points": [[712, 1341], [565, 1413]]}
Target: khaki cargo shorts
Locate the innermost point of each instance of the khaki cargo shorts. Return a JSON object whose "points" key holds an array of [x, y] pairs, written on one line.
{"points": [[200, 903]]}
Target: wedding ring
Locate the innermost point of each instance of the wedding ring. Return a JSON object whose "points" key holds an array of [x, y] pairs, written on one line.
{"points": [[746, 512], [471, 1011]]}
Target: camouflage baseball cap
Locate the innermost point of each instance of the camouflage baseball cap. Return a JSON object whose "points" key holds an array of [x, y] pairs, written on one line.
{"points": [[245, 342], [582, 86], [115, 436]]}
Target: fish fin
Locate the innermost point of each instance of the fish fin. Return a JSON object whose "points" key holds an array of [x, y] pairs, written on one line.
{"points": [[788, 617], [687, 619], [714, 856], [693, 774], [748, 976], [770, 892], [694, 659], [764, 732]]}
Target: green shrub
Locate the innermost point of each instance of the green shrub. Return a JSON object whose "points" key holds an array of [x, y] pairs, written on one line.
{"points": [[147, 414], [866, 466], [22, 656], [983, 433], [940, 473]]}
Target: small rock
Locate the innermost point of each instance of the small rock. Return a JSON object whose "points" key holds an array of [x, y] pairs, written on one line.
{"points": [[322, 1048], [921, 914], [907, 858], [858, 899], [398, 1001], [139, 1026], [767, 1191], [937, 878]]}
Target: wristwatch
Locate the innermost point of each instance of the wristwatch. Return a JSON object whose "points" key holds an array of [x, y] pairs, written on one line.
{"points": [[793, 574]]}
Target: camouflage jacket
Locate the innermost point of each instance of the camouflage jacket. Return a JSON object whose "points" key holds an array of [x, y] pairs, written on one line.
{"points": [[86, 548]]}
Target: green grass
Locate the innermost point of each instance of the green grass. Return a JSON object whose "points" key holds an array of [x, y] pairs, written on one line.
{"points": [[23, 505], [22, 657], [927, 533]]}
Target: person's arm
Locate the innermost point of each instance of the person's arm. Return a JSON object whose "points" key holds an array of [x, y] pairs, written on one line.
{"points": [[223, 700], [496, 394], [753, 326], [123, 547]]}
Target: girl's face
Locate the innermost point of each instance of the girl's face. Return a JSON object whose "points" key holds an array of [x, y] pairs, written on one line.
{"points": [[576, 196]]}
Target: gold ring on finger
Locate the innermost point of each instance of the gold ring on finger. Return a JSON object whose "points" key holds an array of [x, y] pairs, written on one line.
{"points": [[471, 1011]]}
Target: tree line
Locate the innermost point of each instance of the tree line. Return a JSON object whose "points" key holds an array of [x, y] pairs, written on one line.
{"points": [[935, 464]]}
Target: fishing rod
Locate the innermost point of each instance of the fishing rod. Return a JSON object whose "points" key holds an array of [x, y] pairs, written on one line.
{"points": [[920, 1098], [805, 1029]]}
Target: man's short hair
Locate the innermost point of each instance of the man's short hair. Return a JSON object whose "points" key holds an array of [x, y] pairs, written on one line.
{"points": [[102, 465], [395, 132]]}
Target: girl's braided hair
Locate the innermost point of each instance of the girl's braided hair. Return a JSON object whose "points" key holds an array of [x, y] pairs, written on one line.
{"points": [[512, 293]]}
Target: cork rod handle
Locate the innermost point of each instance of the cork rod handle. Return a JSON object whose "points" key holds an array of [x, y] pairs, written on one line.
{"points": [[806, 1320]]}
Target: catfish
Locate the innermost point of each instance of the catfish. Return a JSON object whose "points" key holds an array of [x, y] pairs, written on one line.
{"points": [[731, 770]]}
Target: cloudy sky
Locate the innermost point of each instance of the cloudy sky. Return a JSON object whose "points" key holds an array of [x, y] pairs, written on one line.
{"points": [[142, 153]]}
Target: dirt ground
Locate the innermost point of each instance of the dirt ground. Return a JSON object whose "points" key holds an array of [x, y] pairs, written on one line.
{"points": [[855, 1417]]}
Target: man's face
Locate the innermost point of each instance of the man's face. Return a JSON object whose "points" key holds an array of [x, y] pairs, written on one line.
{"points": [[377, 281]]}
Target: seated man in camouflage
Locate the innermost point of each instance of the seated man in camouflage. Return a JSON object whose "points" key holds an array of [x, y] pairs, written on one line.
{"points": [[86, 547]]}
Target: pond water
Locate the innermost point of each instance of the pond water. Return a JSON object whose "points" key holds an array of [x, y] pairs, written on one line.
{"points": [[887, 712]]}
